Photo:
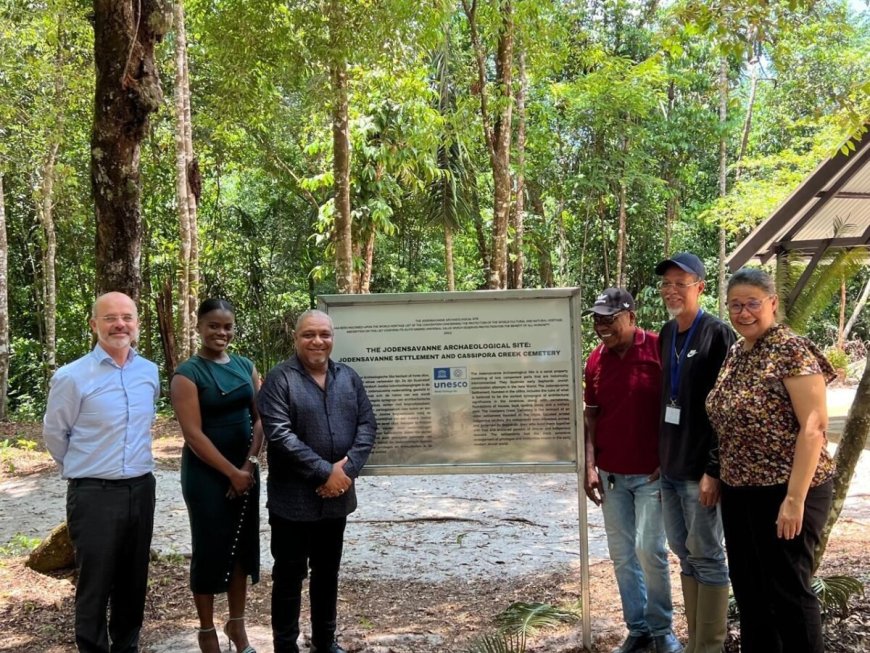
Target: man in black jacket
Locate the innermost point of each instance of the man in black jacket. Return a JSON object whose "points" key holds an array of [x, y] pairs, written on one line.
{"points": [[693, 347], [320, 429]]}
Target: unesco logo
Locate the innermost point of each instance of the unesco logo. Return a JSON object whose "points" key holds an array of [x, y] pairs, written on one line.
{"points": [[449, 378]]}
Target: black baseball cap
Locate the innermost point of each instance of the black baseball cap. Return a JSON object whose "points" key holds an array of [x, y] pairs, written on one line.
{"points": [[611, 301], [685, 261]]}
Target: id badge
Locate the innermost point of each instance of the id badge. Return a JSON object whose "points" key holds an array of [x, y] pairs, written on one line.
{"points": [[672, 414]]}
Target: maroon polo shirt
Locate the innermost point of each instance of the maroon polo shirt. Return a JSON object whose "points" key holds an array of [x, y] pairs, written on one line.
{"points": [[628, 393]]}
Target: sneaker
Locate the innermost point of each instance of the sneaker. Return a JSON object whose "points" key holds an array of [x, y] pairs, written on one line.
{"points": [[667, 644], [636, 644]]}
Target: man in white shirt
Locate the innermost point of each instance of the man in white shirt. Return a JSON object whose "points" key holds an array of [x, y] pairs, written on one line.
{"points": [[97, 428]]}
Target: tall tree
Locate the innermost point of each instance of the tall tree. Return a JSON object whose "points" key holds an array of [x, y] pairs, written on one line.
{"points": [[519, 207], [723, 177], [187, 185], [4, 305], [127, 92], [337, 25], [496, 123]]}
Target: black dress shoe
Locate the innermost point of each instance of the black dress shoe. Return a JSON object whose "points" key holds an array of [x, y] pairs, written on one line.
{"points": [[636, 644], [667, 644], [332, 648]]}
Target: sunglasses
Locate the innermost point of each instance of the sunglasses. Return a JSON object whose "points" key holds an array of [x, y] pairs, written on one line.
{"points": [[606, 319]]}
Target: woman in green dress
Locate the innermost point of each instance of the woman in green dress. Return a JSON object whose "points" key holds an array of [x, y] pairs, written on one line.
{"points": [[213, 394]]}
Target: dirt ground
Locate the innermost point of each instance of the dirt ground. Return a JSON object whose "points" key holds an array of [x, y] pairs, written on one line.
{"points": [[435, 560]]}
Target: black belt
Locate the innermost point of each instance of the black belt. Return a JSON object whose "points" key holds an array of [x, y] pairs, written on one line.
{"points": [[106, 482]]}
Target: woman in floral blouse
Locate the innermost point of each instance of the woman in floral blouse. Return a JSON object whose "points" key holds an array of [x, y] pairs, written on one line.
{"points": [[768, 408]]}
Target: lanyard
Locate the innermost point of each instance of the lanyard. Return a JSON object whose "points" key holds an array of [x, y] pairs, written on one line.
{"points": [[677, 359]]}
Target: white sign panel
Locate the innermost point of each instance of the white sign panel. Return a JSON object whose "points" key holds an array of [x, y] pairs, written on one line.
{"points": [[466, 380]]}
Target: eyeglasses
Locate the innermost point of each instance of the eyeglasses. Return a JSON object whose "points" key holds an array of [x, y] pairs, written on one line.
{"points": [[736, 308], [127, 319], [606, 319], [677, 285]]}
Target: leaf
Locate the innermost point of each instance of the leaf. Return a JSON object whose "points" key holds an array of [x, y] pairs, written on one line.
{"points": [[527, 618], [834, 593]]}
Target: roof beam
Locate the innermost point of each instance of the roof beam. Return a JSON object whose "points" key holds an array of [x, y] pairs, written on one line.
{"points": [[808, 271], [803, 194], [847, 195], [830, 194], [797, 245]]}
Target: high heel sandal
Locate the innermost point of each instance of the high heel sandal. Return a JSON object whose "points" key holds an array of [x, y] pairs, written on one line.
{"points": [[205, 631], [248, 648]]}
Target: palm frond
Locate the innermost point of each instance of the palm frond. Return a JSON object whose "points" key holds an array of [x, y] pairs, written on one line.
{"points": [[823, 286], [528, 618], [834, 593], [497, 643]]}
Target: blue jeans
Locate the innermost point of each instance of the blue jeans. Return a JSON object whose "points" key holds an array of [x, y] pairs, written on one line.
{"points": [[636, 539], [694, 532]]}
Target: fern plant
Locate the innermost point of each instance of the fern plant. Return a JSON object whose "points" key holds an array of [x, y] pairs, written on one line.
{"points": [[834, 593], [519, 621]]}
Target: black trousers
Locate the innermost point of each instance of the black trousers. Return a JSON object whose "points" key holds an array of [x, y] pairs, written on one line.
{"points": [[296, 548], [779, 613], [110, 523]]}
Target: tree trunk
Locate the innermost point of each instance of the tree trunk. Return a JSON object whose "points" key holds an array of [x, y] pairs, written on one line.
{"points": [[187, 191], [482, 249], [4, 306], [448, 258], [856, 312], [45, 211], [163, 304], [501, 152], [340, 150], [497, 137], [747, 123], [604, 240], [518, 213], [194, 190], [670, 214], [127, 92], [849, 450], [542, 244], [670, 179], [368, 256], [181, 188], [723, 175], [841, 324]]}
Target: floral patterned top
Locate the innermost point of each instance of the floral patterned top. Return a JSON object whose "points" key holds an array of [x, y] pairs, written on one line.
{"points": [[752, 413]]}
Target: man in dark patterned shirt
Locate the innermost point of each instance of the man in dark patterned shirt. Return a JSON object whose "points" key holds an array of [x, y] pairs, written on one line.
{"points": [[320, 429]]}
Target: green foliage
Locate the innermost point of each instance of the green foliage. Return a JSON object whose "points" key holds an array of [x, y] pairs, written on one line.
{"points": [[822, 285], [517, 623], [18, 545], [495, 643], [526, 619], [838, 358], [834, 593], [620, 94]]}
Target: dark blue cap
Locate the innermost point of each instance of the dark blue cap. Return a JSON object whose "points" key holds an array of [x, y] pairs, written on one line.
{"points": [[685, 261]]}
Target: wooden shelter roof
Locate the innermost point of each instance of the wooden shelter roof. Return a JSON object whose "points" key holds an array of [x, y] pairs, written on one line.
{"points": [[838, 189]]}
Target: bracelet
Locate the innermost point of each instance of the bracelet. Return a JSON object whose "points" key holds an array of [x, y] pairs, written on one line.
{"points": [[253, 460]]}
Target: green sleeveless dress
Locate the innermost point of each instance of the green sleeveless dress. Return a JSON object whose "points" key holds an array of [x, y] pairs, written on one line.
{"points": [[223, 531]]}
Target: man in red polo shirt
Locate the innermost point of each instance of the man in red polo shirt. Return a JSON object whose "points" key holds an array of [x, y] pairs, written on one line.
{"points": [[622, 393]]}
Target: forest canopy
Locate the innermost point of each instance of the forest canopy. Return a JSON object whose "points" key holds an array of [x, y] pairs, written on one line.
{"points": [[404, 146]]}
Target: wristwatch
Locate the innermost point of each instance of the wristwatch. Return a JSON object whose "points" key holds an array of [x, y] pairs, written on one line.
{"points": [[253, 460]]}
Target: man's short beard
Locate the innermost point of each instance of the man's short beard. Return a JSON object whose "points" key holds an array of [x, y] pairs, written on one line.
{"points": [[674, 312]]}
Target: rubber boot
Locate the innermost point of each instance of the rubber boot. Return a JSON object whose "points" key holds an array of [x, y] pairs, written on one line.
{"points": [[711, 622], [690, 599]]}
